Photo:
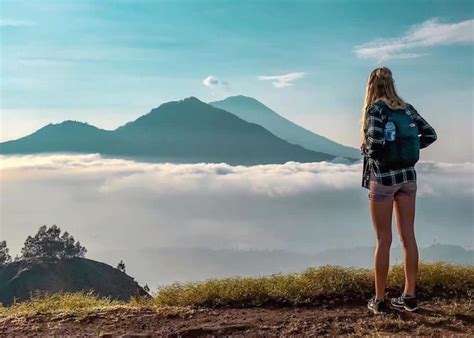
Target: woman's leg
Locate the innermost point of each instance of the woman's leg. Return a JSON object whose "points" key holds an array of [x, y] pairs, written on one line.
{"points": [[405, 215], [381, 212]]}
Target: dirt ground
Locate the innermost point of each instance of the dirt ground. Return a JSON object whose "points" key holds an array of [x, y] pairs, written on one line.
{"points": [[433, 318]]}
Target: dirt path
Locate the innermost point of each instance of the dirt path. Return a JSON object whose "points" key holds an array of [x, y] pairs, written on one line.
{"points": [[432, 318]]}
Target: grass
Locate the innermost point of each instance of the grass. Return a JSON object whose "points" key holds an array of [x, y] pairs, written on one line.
{"points": [[317, 285], [82, 303], [327, 284], [61, 302]]}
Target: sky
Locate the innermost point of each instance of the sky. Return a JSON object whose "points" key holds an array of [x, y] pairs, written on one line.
{"points": [[108, 62]]}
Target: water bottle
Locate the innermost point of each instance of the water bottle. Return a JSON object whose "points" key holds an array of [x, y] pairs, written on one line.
{"points": [[389, 131]]}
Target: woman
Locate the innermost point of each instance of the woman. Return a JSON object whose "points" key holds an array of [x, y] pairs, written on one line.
{"points": [[391, 184]]}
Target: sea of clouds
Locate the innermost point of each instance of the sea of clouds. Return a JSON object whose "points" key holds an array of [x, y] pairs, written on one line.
{"points": [[116, 204]]}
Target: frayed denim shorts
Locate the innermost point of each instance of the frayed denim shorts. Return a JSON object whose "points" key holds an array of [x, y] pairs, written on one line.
{"points": [[382, 193]]}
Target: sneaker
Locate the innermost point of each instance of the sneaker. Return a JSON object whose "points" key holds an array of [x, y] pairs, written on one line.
{"points": [[377, 306], [405, 302]]}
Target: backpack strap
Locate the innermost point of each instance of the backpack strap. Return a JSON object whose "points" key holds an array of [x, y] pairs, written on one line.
{"points": [[383, 111], [409, 112]]}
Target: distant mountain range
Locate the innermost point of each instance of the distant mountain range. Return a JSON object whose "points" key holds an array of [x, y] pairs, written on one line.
{"points": [[252, 110], [186, 131], [157, 266]]}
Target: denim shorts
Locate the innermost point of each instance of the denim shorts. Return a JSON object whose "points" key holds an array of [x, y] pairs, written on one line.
{"points": [[381, 193]]}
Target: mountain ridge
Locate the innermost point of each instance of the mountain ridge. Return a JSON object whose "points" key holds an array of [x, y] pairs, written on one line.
{"points": [[188, 130], [252, 110]]}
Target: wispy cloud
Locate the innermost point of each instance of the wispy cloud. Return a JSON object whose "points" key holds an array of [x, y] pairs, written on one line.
{"points": [[212, 81], [281, 81], [16, 23], [419, 37]]}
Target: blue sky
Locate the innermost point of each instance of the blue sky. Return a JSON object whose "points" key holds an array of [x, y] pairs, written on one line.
{"points": [[107, 62]]}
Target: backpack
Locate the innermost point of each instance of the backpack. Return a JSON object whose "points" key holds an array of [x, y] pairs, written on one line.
{"points": [[404, 151]]}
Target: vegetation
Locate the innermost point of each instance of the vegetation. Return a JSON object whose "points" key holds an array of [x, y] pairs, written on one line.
{"points": [[79, 303], [48, 242], [327, 284], [4, 255], [317, 285], [121, 266]]}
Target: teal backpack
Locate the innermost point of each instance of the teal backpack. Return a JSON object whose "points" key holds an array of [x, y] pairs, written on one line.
{"points": [[404, 150]]}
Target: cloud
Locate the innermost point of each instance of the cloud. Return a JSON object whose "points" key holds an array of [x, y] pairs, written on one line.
{"points": [[16, 23], [412, 44], [271, 180], [281, 81], [121, 204], [212, 81]]}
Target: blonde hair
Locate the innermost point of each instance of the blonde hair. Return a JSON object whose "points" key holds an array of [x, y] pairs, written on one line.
{"points": [[380, 86]]}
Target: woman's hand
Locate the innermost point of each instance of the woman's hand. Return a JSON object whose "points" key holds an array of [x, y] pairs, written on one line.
{"points": [[362, 148]]}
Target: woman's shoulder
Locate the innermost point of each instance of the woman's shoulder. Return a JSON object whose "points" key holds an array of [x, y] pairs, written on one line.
{"points": [[381, 105], [376, 107]]}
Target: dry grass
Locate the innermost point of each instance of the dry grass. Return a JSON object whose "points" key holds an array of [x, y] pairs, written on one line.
{"points": [[327, 284], [63, 303], [316, 285]]}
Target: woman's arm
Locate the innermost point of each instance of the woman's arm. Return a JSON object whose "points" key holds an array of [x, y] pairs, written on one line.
{"points": [[427, 132]]}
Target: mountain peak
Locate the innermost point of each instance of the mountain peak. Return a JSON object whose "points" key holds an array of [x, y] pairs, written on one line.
{"points": [[254, 111], [68, 124], [73, 123], [242, 99], [191, 99]]}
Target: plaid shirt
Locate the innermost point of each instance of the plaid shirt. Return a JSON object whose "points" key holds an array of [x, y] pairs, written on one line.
{"points": [[375, 142]]}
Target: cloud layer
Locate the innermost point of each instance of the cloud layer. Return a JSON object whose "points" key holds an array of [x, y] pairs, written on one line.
{"points": [[115, 204], [414, 42], [282, 81]]}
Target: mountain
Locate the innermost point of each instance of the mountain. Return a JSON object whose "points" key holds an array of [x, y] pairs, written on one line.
{"points": [[19, 280], [68, 136], [182, 131], [159, 266], [251, 110]]}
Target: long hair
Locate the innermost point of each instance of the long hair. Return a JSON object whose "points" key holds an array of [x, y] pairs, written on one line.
{"points": [[380, 86]]}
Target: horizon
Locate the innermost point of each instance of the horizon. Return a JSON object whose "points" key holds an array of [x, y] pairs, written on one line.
{"points": [[111, 63]]}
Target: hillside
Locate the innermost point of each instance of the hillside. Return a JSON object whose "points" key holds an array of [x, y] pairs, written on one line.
{"points": [[19, 280], [323, 301], [183, 131], [252, 110]]}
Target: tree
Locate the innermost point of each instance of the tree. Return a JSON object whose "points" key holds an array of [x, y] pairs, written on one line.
{"points": [[121, 266], [48, 242], [4, 255], [146, 288]]}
